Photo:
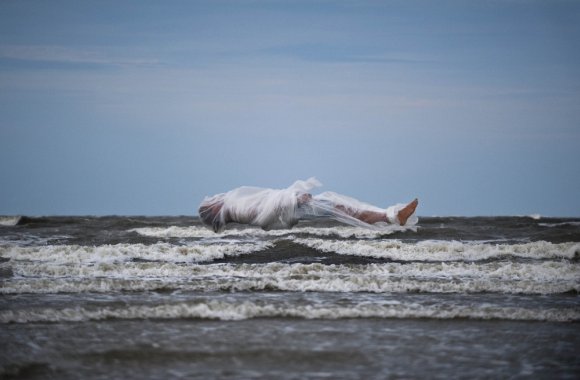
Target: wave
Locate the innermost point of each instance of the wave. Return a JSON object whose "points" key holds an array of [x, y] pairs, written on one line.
{"points": [[233, 311], [562, 224], [28, 239], [217, 249], [545, 271], [63, 254], [203, 232], [8, 221], [546, 277], [434, 250]]}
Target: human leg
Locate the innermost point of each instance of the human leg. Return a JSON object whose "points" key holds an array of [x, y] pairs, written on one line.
{"points": [[372, 217], [367, 216]]}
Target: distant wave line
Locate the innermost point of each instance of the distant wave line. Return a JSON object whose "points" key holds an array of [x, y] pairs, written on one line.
{"points": [[227, 311]]}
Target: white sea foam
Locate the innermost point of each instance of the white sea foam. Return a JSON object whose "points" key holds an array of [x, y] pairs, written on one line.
{"points": [[202, 232], [455, 277], [573, 223], [124, 252], [231, 311], [174, 231], [433, 250], [544, 271], [8, 221]]}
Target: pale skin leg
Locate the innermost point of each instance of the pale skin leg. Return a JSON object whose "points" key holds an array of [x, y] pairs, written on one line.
{"points": [[372, 217]]}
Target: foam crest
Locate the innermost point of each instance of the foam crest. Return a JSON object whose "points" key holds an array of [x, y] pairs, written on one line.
{"points": [[202, 232], [545, 271], [443, 250], [233, 311], [562, 224], [93, 285], [63, 254], [545, 277], [8, 221], [174, 231]]}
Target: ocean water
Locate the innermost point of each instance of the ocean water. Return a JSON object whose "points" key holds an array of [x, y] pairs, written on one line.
{"points": [[164, 297]]}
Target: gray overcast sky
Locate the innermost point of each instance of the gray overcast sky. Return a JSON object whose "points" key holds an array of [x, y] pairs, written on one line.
{"points": [[145, 107]]}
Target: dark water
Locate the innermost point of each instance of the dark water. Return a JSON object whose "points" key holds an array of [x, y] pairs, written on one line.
{"points": [[157, 297]]}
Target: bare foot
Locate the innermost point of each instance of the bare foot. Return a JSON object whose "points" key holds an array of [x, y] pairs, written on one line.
{"points": [[407, 211]]}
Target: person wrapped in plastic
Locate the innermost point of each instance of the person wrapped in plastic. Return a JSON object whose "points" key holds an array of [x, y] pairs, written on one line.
{"points": [[283, 208]]}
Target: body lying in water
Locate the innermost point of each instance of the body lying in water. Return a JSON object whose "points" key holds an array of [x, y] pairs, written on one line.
{"points": [[283, 208]]}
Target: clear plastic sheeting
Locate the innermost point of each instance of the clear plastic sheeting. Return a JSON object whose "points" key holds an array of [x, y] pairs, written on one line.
{"points": [[283, 208]]}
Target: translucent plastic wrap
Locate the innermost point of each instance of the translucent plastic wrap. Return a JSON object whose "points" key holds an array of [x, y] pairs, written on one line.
{"points": [[343, 208], [283, 208]]}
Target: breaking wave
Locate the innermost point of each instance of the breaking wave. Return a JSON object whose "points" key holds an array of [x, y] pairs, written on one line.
{"points": [[561, 224], [546, 277], [63, 254], [229, 311], [443, 250], [203, 232], [8, 221]]}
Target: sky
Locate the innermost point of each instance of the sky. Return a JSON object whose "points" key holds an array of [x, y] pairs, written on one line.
{"points": [[145, 107]]}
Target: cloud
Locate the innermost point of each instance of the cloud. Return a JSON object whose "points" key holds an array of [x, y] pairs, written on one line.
{"points": [[340, 54], [66, 55]]}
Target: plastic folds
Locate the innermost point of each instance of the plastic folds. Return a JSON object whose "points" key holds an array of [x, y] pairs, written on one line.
{"points": [[283, 208]]}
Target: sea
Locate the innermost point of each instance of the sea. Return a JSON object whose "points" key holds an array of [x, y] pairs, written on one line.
{"points": [[166, 298]]}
